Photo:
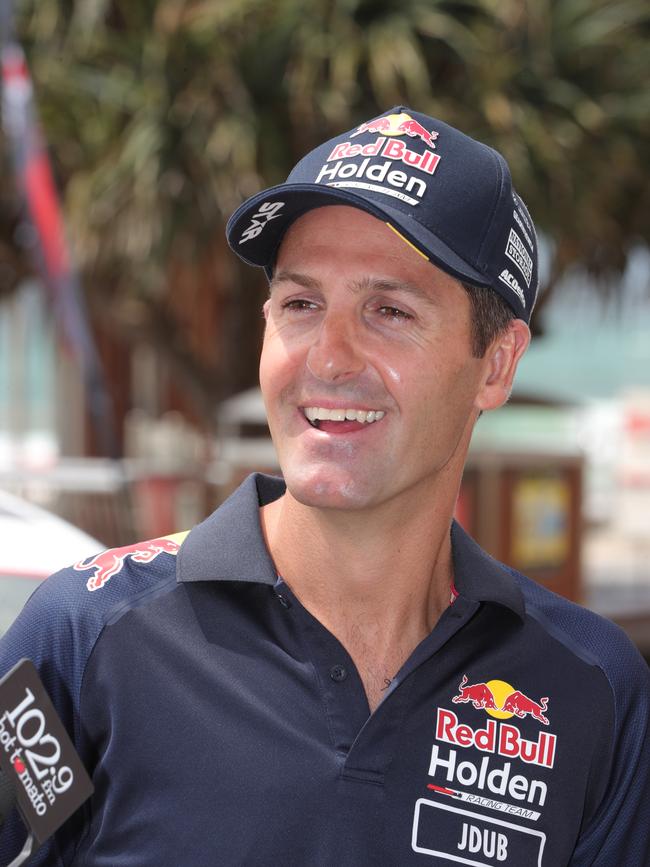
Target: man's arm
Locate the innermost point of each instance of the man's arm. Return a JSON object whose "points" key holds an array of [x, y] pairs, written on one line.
{"points": [[44, 633], [619, 831]]}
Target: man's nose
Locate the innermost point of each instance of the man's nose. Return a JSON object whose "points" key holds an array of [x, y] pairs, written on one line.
{"points": [[336, 355]]}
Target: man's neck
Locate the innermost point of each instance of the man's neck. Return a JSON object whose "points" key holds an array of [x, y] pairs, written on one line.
{"points": [[378, 583]]}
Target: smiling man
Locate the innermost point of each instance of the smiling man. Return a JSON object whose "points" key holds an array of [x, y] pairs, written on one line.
{"points": [[372, 391], [328, 672]]}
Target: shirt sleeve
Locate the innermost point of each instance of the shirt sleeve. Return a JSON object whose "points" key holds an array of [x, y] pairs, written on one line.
{"points": [[46, 633], [619, 831]]}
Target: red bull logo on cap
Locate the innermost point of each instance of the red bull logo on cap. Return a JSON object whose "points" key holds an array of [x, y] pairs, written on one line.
{"points": [[399, 124], [501, 700], [109, 563], [388, 145]]}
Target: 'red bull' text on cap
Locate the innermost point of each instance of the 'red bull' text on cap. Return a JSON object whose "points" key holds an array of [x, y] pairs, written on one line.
{"points": [[446, 194]]}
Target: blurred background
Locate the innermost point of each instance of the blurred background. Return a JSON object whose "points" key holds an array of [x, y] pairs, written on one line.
{"points": [[129, 334]]}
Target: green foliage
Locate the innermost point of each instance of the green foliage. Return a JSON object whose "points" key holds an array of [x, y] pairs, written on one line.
{"points": [[162, 115]]}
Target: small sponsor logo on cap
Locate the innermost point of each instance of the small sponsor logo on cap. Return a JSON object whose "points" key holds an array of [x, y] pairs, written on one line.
{"points": [[522, 212], [267, 211], [511, 282], [518, 220], [517, 252]]}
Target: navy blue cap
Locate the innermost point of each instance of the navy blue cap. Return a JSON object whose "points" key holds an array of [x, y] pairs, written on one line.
{"points": [[448, 195]]}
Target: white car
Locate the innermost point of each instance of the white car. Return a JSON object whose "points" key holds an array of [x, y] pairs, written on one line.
{"points": [[33, 544]]}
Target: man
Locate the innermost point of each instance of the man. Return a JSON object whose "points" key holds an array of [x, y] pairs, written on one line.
{"points": [[335, 673]]}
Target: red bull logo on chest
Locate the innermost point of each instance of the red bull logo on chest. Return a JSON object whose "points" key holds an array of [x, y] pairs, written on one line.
{"points": [[501, 738], [501, 700], [490, 764]]}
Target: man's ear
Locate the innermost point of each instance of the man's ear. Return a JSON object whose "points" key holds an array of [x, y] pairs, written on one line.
{"points": [[265, 309], [502, 358]]}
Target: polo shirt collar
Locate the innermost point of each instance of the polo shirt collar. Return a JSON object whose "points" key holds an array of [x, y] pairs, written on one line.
{"points": [[481, 578], [229, 546]]}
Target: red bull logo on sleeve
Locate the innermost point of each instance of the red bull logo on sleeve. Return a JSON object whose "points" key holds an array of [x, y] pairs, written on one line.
{"points": [[109, 563]]}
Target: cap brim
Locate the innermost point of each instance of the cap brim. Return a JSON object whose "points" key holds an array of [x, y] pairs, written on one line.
{"points": [[261, 249]]}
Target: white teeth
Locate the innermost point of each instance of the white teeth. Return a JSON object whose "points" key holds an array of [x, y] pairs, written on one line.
{"points": [[317, 413]]}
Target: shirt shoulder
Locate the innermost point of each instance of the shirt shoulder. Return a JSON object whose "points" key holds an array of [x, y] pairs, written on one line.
{"points": [[589, 636], [618, 829], [59, 625]]}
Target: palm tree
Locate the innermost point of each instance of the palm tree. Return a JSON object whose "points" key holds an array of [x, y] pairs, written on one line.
{"points": [[163, 114]]}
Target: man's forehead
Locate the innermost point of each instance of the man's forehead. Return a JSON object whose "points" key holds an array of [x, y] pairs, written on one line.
{"points": [[359, 251], [338, 223], [338, 218]]}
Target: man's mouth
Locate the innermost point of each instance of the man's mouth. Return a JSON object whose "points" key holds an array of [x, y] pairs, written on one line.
{"points": [[317, 414]]}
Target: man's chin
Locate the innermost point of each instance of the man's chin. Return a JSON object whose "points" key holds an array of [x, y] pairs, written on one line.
{"points": [[327, 490]]}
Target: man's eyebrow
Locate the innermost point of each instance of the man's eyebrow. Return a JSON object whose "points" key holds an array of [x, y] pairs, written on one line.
{"points": [[286, 276], [388, 284], [366, 284]]}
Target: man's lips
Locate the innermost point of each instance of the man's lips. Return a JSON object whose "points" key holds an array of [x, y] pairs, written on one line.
{"points": [[341, 427]]}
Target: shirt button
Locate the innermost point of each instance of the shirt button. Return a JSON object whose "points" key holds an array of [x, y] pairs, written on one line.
{"points": [[338, 673]]}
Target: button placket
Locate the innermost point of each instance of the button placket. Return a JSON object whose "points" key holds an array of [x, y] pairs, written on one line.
{"points": [[284, 602]]}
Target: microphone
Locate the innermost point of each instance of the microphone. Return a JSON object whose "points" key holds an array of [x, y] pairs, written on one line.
{"points": [[40, 770]]}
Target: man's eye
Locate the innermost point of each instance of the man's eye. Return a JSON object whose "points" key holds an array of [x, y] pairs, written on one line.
{"points": [[393, 313], [298, 304]]}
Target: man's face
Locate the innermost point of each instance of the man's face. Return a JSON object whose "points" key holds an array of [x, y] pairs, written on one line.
{"points": [[359, 323]]}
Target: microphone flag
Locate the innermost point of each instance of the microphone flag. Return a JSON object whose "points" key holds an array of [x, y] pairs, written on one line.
{"points": [[37, 755]]}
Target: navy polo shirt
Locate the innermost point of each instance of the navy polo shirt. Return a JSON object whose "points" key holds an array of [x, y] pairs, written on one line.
{"points": [[222, 724]]}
